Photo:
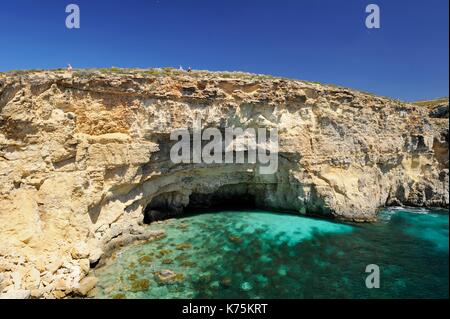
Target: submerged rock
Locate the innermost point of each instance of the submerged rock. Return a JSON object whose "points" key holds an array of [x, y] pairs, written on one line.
{"points": [[235, 239], [145, 259], [184, 246], [226, 282], [168, 276], [140, 285], [167, 261]]}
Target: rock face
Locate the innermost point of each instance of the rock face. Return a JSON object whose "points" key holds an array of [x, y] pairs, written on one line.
{"points": [[440, 111], [84, 159]]}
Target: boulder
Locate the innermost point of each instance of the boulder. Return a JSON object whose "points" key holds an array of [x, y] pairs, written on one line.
{"points": [[95, 255], [79, 250], [440, 111], [86, 285], [16, 294]]}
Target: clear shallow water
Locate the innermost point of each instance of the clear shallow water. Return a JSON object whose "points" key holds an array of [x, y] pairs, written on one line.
{"points": [[256, 254]]}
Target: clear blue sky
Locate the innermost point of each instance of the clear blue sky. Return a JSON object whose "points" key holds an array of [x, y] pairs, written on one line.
{"points": [[319, 40]]}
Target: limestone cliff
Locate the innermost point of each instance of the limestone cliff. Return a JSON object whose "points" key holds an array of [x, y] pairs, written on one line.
{"points": [[84, 156]]}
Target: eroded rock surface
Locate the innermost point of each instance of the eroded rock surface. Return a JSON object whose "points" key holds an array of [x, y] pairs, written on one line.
{"points": [[83, 155]]}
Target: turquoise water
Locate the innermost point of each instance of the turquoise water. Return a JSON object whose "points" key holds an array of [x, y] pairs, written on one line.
{"points": [[257, 254]]}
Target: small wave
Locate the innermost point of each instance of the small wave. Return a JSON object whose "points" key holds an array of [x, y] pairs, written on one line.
{"points": [[396, 208], [386, 215]]}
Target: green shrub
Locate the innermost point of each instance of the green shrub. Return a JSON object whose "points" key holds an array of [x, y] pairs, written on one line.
{"points": [[153, 71], [168, 70]]}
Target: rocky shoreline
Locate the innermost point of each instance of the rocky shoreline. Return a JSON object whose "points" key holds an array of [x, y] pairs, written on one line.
{"points": [[84, 156], [63, 275]]}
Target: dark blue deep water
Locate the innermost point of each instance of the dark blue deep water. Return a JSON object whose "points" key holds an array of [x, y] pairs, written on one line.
{"points": [[258, 254]]}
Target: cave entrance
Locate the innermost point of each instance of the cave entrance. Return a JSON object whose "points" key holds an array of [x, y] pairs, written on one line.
{"points": [[219, 201], [227, 197], [163, 206]]}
